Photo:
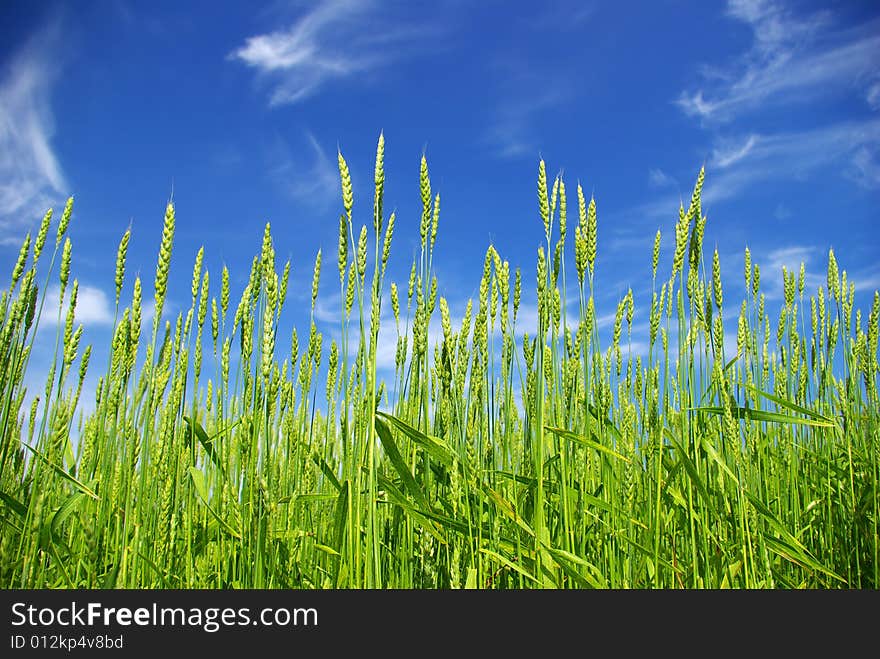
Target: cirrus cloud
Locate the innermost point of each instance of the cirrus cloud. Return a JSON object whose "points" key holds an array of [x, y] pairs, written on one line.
{"points": [[31, 177]]}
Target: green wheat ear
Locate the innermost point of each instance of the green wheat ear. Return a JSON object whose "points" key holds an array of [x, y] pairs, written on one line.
{"points": [[120, 262], [425, 191], [316, 275], [164, 263], [591, 244], [18, 270], [379, 181], [197, 274], [224, 290], [203, 301], [342, 252], [64, 271], [386, 243], [42, 234], [543, 202], [716, 279], [833, 280], [69, 348], [282, 288], [362, 254], [65, 221], [517, 292], [563, 212], [395, 303], [136, 315], [436, 219], [411, 284], [655, 258], [345, 180], [748, 268]]}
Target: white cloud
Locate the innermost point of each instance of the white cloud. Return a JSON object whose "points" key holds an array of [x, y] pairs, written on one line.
{"points": [[512, 133], [328, 313], [782, 212], [725, 156], [328, 308], [774, 27], [315, 182], [561, 16], [850, 146], [31, 178], [792, 60], [695, 104], [527, 93], [873, 96], [790, 257], [335, 40], [864, 168], [815, 262], [806, 150], [93, 307], [657, 178], [866, 281]]}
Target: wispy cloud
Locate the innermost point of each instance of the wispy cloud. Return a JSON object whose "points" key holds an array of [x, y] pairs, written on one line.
{"points": [[562, 15], [31, 178], [790, 257], [864, 168], [772, 261], [852, 147], [793, 59], [725, 155], [528, 88], [867, 280], [782, 212], [314, 182], [873, 96], [335, 40], [657, 178], [514, 127]]}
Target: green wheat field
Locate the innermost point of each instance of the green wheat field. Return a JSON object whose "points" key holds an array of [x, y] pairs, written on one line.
{"points": [[226, 450]]}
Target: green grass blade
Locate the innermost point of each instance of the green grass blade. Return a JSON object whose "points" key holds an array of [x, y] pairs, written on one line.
{"points": [[691, 471], [762, 415], [398, 498], [787, 404], [400, 465], [61, 472], [327, 471], [519, 569], [590, 577], [788, 545], [65, 510], [583, 441], [193, 427], [198, 481], [433, 445], [14, 504]]}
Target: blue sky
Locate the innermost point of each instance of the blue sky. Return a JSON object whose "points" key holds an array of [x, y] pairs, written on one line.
{"points": [[239, 109]]}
